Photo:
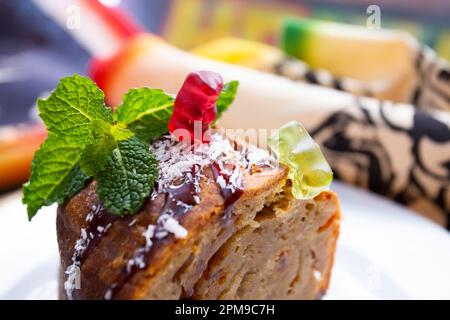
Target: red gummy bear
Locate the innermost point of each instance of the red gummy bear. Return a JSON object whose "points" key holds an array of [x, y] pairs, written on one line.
{"points": [[195, 105]]}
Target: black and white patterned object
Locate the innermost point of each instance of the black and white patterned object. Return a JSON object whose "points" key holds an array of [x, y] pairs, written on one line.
{"points": [[432, 88], [395, 150], [297, 70], [427, 85]]}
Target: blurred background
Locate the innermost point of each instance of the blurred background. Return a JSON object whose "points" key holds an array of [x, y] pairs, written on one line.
{"points": [[36, 51]]}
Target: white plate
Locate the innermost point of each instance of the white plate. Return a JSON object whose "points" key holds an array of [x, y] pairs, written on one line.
{"points": [[384, 252]]}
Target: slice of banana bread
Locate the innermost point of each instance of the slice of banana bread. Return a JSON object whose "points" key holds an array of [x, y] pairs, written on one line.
{"points": [[221, 224]]}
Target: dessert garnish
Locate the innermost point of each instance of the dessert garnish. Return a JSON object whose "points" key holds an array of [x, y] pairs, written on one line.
{"points": [[86, 140], [309, 171], [196, 102]]}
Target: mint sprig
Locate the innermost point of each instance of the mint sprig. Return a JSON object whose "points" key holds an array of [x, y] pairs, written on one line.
{"points": [[87, 140], [82, 137]]}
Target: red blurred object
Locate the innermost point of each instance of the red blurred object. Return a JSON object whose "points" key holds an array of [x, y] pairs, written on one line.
{"points": [[196, 102], [17, 147], [122, 25], [119, 22]]}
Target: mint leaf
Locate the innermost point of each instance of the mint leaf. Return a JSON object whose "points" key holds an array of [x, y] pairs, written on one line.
{"points": [[73, 109], [226, 97], [127, 177], [55, 175], [146, 112]]}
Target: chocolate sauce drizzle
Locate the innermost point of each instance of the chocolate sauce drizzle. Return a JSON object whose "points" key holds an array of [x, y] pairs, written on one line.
{"points": [[97, 227], [177, 197], [179, 200], [228, 195], [99, 221]]}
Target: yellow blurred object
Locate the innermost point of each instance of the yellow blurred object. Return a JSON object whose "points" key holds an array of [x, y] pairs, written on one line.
{"points": [[408, 71], [242, 52], [405, 84], [350, 50], [191, 23], [267, 58]]}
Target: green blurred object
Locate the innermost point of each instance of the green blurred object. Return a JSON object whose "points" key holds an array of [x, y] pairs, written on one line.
{"points": [[295, 36]]}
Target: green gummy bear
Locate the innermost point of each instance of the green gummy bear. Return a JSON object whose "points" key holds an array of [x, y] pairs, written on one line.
{"points": [[309, 171]]}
